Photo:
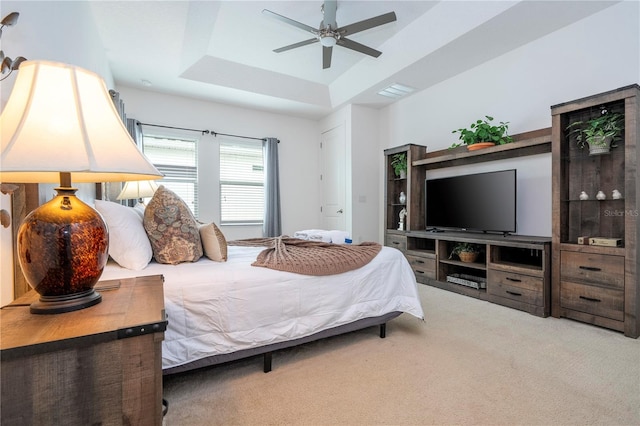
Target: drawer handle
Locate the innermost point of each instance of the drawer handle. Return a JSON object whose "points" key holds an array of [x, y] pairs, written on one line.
{"points": [[515, 280], [590, 299], [513, 293], [590, 268], [419, 261], [419, 271], [395, 242]]}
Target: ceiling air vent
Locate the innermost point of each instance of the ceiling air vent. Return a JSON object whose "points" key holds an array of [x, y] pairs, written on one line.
{"points": [[396, 91]]}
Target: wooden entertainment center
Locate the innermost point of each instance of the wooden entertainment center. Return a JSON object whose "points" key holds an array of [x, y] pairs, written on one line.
{"points": [[512, 270], [561, 276]]}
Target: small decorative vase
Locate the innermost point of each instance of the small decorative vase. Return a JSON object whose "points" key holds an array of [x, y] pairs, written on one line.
{"points": [[616, 195], [403, 174], [402, 198], [600, 195], [584, 196]]}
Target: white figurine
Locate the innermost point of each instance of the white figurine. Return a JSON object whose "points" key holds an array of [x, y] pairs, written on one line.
{"points": [[584, 196], [616, 195], [600, 195], [402, 215]]}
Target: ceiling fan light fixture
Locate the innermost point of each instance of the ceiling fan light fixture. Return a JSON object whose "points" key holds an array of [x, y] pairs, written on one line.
{"points": [[328, 41]]}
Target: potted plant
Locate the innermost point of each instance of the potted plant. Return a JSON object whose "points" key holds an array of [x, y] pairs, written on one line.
{"points": [[599, 133], [467, 252], [483, 133], [399, 164]]}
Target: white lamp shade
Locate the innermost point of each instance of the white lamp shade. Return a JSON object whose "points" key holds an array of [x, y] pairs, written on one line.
{"points": [[138, 189], [60, 118]]}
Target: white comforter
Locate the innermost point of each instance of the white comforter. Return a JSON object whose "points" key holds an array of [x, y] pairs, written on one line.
{"points": [[217, 308]]}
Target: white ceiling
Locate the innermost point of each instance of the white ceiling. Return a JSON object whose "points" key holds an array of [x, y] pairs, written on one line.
{"points": [[222, 51]]}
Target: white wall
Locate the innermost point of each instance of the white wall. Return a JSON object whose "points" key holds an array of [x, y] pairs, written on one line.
{"points": [[594, 55], [299, 137], [365, 194], [60, 31]]}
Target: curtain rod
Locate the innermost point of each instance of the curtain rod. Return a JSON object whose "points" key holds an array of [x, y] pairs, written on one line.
{"points": [[204, 132]]}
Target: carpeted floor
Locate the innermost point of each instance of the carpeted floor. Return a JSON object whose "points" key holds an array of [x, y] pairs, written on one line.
{"points": [[469, 362]]}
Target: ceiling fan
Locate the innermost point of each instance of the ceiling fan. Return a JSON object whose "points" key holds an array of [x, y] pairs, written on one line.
{"points": [[329, 34]]}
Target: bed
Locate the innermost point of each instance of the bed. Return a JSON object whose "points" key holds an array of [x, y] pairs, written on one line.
{"points": [[221, 307], [222, 311]]}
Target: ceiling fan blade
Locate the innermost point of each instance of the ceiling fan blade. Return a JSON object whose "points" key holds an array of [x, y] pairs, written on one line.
{"points": [[329, 10], [353, 45], [290, 21], [326, 57], [293, 46], [356, 27]]}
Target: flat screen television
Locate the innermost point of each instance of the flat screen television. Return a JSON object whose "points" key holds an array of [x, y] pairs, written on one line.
{"points": [[483, 202]]}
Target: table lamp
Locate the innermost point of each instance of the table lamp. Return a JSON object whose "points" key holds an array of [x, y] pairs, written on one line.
{"points": [[138, 190], [59, 123]]}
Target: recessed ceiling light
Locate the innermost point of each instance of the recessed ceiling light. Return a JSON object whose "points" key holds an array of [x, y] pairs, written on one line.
{"points": [[396, 91]]}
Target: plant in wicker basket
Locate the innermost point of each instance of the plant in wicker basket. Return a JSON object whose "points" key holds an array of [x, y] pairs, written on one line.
{"points": [[599, 133], [466, 252]]}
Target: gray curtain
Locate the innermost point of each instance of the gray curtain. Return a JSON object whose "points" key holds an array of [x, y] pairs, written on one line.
{"points": [[119, 104], [272, 226], [135, 130]]}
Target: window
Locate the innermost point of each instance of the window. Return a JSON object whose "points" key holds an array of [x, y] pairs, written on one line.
{"points": [[241, 183], [177, 160]]}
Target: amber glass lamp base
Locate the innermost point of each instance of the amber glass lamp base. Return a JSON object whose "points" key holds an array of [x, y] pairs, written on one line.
{"points": [[63, 249]]}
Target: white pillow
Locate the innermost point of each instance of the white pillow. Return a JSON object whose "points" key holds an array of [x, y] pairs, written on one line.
{"points": [[128, 241]]}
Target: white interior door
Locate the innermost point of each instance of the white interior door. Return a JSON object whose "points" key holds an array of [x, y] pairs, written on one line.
{"points": [[332, 175]]}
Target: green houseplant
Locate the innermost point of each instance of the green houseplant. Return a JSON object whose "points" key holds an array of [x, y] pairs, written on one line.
{"points": [[484, 131], [599, 133], [467, 252], [399, 164]]}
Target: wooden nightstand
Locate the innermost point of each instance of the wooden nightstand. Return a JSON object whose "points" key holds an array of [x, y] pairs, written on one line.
{"points": [[100, 365]]}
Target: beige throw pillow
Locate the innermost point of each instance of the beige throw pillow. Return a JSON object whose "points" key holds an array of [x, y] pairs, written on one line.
{"points": [[172, 229], [213, 242]]}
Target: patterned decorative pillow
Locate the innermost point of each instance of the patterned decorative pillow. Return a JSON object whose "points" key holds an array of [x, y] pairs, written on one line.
{"points": [[213, 242], [172, 229]]}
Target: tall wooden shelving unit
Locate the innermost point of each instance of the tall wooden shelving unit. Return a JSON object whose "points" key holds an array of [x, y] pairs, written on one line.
{"points": [[414, 197], [591, 283]]}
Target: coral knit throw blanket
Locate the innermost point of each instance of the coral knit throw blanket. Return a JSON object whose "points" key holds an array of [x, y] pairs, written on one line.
{"points": [[310, 257]]}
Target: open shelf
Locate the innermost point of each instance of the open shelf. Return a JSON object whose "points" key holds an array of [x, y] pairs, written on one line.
{"points": [[529, 143], [514, 269]]}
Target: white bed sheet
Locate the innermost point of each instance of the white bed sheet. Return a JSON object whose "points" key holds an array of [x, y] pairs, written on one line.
{"points": [[218, 308]]}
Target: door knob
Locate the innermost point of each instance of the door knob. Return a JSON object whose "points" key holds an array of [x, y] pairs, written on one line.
{"points": [[339, 211]]}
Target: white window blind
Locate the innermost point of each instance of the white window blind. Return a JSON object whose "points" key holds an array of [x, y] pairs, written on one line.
{"points": [[177, 160], [241, 183]]}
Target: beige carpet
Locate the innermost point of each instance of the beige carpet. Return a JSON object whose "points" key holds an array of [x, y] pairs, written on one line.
{"points": [[469, 362]]}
